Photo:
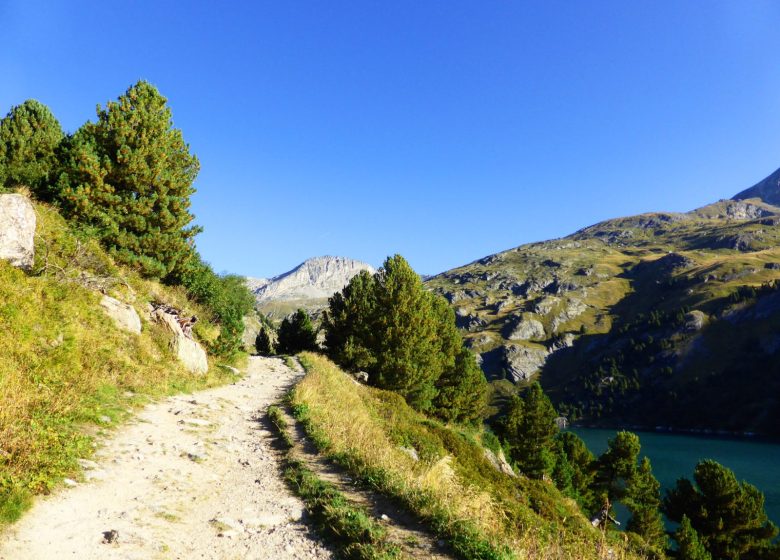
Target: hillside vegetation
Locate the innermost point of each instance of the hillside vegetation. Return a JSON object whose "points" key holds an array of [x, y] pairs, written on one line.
{"points": [[453, 485], [653, 320], [67, 372]]}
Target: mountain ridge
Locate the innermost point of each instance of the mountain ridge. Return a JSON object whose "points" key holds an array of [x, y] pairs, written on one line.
{"points": [[626, 321]]}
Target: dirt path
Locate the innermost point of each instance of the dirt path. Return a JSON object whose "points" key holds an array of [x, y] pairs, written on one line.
{"points": [[194, 477]]}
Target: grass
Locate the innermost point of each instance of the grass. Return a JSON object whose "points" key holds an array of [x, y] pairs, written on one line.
{"points": [[65, 365], [347, 526], [453, 488]]}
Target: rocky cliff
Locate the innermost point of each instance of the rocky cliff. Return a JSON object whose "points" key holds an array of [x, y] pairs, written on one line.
{"points": [[656, 319], [307, 285]]}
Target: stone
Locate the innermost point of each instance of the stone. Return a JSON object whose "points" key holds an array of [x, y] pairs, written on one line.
{"points": [[527, 329], [17, 231], [522, 362], [191, 354], [500, 463], [695, 320], [411, 451], [124, 316]]}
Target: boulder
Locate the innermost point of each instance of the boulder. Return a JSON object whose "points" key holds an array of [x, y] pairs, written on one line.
{"points": [[188, 351], [522, 362], [125, 317], [17, 230], [695, 320], [500, 463], [527, 329]]}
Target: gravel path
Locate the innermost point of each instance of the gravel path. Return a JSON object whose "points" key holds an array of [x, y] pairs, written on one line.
{"points": [[194, 477]]}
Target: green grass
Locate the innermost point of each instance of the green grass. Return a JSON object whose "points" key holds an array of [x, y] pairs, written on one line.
{"points": [[348, 527], [453, 488]]}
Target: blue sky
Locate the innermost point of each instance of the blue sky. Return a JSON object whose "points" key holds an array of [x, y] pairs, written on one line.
{"points": [[441, 130]]}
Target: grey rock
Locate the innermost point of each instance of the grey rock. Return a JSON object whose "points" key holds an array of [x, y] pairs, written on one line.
{"points": [[191, 354], [772, 266], [17, 231], [124, 316], [500, 463], [527, 329], [695, 320], [411, 451], [522, 362]]}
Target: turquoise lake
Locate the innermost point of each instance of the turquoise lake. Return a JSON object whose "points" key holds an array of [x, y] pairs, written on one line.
{"points": [[675, 455]]}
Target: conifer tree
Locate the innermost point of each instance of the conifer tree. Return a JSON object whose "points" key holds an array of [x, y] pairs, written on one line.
{"points": [[29, 139], [643, 500], [296, 334], [728, 515], [689, 546], [529, 430], [408, 360], [349, 324], [617, 465], [462, 391], [405, 338], [572, 451], [130, 176], [263, 343]]}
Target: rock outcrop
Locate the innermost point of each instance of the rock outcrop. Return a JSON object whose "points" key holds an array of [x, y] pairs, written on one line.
{"points": [[124, 316], [17, 230], [315, 278], [188, 351], [527, 328], [522, 362]]}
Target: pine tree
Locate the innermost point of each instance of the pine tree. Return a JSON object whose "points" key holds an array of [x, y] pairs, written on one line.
{"points": [[349, 324], [728, 515], [263, 343], [129, 175], [296, 334], [29, 139], [405, 338], [617, 465], [462, 395], [408, 360], [689, 547], [581, 461], [643, 500], [529, 429]]}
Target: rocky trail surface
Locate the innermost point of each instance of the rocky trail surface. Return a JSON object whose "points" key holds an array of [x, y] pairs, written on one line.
{"points": [[193, 477]]}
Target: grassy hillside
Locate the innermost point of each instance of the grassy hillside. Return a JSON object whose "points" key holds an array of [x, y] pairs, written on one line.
{"points": [[453, 486], [657, 319], [66, 372]]}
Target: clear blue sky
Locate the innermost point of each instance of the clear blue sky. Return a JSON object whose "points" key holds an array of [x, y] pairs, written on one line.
{"points": [[441, 130]]}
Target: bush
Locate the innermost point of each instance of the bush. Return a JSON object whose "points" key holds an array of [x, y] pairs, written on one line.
{"points": [[226, 297]]}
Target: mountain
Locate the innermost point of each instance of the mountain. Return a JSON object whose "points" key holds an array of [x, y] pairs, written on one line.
{"points": [[308, 285], [660, 319]]}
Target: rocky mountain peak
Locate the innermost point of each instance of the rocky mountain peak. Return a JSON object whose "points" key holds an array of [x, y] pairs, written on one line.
{"points": [[767, 190], [315, 278]]}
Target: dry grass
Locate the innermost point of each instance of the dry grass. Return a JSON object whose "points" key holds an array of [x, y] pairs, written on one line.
{"points": [[482, 513]]}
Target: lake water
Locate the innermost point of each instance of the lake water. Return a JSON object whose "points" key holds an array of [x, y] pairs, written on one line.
{"points": [[675, 455]]}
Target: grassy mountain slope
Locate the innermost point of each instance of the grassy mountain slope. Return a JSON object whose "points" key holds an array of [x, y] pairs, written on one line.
{"points": [[452, 485], [66, 371], [653, 320]]}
